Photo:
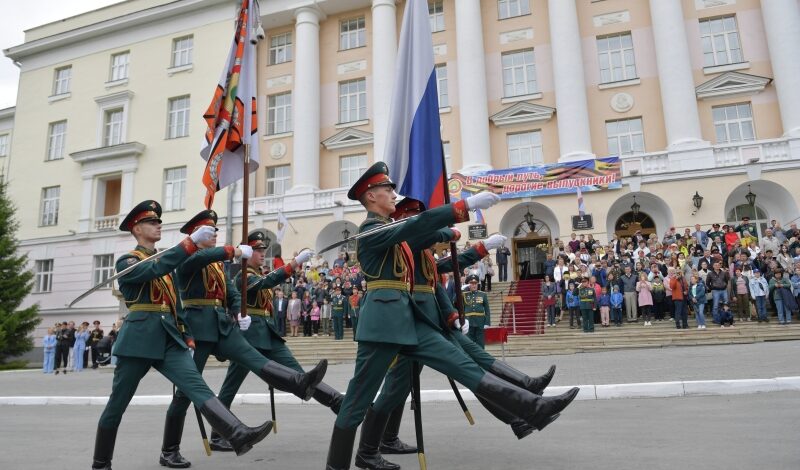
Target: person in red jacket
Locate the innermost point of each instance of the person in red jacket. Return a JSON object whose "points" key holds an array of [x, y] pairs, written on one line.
{"points": [[679, 294]]}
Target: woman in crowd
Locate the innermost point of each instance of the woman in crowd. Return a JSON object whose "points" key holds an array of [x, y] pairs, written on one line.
{"points": [[81, 336], [325, 316], [659, 296], [697, 297], [315, 311], [784, 260], [782, 296], [305, 313], [49, 345], [740, 286], [645, 298], [549, 300], [731, 238], [293, 310]]}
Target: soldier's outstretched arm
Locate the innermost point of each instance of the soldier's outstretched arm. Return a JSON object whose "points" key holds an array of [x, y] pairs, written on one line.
{"points": [[153, 270], [465, 258], [419, 227], [425, 240], [256, 283], [205, 257]]}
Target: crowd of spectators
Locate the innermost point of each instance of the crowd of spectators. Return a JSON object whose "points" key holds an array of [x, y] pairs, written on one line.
{"points": [[67, 347]]}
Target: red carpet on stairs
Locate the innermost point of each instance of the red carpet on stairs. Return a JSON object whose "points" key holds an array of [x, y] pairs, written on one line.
{"points": [[528, 317]]}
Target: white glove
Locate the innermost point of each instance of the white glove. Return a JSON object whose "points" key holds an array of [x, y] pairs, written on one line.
{"points": [[244, 322], [485, 327], [495, 241], [203, 234], [482, 200], [465, 327], [247, 251], [304, 256]]}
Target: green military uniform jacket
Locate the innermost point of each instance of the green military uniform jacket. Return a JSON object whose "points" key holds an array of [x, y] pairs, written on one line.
{"points": [[426, 278], [387, 261], [588, 297], [150, 296], [340, 306], [476, 308], [207, 295], [445, 265], [262, 331]]}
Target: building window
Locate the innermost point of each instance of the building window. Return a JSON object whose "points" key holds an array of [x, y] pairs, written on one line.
{"points": [[279, 180], [352, 34], [525, 149], [441, 85], [61, 81], [3, 145], [178, 117], [436, 15], [280, 48], [733, 123], [50, 198], [56, 138], [43, 277], [119, 66], [447, 159], [350, 169], [720, 41], [112, 127], [103, 268], [353, 100], [512, 8], [615, 55], [519, 73], [625, 136], [279, 114], [175, 188], [182, 51]]}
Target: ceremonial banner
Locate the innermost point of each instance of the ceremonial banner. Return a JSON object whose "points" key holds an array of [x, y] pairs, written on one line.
{"points": [[282, 223], [231, 116], [414, 143], [542, 180]]}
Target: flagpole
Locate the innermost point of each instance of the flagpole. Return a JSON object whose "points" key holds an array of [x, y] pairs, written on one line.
{"points": [[245, 213]]}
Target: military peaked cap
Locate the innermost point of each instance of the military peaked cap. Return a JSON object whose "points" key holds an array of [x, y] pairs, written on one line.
{"points": [[145, 211], [258, 239], [407, 207], [376, 175], [206, 217]]}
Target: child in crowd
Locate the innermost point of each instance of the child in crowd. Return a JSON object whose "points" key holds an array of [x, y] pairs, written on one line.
{"points": [[758, 291], [725, 316], [573, 304], [616, 305], [315, 310], [605, 306]]}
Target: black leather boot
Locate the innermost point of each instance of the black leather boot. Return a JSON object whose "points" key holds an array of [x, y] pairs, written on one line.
{"points": [[341, 449], [391, 443], [219, 443], [532, 384], [368, 455], [241, 437], [328, 396], [520, 428], [170, 447], [104, 448], [289, 380], [533, 409]]}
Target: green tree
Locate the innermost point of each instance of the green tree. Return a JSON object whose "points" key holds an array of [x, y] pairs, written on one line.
{"points": [[16, 282]]}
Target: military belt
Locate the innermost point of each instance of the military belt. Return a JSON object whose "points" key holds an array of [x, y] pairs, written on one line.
{"points": [[258, 313], [423, 288], [152, 308], [475, 314], [381, 284], [202, 303]]}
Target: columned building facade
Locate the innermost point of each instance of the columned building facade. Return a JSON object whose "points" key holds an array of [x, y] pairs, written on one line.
{"points": [[693, 96]]}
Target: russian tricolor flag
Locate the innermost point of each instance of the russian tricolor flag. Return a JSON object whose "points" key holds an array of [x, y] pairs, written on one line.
{"points": [[414, 143]]}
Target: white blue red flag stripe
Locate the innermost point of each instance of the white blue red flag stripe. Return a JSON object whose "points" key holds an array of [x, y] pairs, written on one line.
{"points": [[414, 142], [581, 206]]}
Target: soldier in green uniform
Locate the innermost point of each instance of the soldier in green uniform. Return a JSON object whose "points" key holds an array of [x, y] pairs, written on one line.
{"points": [[476, 309], [392, 323], [152, 337], [340, 308], [588, 299], [207, 297], [438, 309], [262, 333]]}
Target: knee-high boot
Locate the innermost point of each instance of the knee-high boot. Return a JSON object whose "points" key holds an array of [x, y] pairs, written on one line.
{"points": [[328, 396], [520, 428], [368, 455], [391, 443], [241, 437], [289, 380], [532, 384], [170, 446], [341, 449], [533, 409], [104, 448]]}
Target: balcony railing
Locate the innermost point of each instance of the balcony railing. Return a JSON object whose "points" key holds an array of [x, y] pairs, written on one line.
{"points": [[103, 224]]}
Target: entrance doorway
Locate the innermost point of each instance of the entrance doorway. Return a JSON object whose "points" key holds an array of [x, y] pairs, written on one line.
{"points": [[531, 243]]}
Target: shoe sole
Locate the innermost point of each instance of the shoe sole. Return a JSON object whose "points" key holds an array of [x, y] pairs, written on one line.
{"points": [[249, 445], [392, 451], [164, 463], [568, 399]]}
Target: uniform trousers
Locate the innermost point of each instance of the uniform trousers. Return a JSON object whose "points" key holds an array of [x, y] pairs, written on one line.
{"points": [[373, 360], [476, 334], [338, 326], [177, 366], [238, 372], [233, 347]]}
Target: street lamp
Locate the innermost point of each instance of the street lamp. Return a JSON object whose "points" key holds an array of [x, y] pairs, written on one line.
{"points": [[345, 233], [697, 200], [635, 207], [751, 198], [529, 220]]}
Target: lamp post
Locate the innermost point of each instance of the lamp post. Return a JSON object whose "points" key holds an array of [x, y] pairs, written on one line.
{"points": [[697, 200], [635, 208], [345, 236], [751, 198], [529, 220]]}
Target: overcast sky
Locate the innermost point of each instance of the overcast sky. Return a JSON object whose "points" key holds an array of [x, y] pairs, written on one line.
{"points": [[19, 15]]}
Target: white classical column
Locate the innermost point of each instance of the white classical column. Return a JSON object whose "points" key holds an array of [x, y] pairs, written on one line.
{"points": [[306, 106], [472, 97], [126, 191], [384, 56], [574, 136], [675, 76], [782, 25], [84, 223]]}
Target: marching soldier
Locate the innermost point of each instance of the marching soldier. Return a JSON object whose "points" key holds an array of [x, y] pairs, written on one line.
{"points": [[340, 308], [207, 297], [152, 337], [476, 309], [392, 323], [262, 333]]}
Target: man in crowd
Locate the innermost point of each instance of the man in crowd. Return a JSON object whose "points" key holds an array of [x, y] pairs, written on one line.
{"points": [[66, 339], [94, 338], [718, 280], [628, 283], [501, 256], [700, 236], [279, 306], [746, 226], [769, 242]]}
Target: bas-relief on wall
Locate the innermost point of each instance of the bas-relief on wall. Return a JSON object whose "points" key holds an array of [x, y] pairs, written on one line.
{"points": [[611, 18], [703, 4]]}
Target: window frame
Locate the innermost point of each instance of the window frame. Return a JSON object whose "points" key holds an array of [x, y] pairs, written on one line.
{"points": [[726, 122], [534, 160], [110, 126], [278, 185], [629, 134], [361, 101], [526, 70], [726, 35], [169, 189], [49, 206], [114, 67], [435, 17], [100, 271], [42, 276], [274, 108], [353, 173], [62, 85], [5, 141], [184, 52], [60, 139], [508, 5], [176, 129], [442, 87], [611, 53], [286, 49], [359, 33]]}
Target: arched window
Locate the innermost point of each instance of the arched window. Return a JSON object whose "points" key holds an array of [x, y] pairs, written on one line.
{"points": [[539, 229], [757, 215], [628, 224]]}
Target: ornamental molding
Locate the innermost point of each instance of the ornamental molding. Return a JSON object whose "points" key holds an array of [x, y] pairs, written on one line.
{"points": [[731, 84], [348, 138], [522, 113]]}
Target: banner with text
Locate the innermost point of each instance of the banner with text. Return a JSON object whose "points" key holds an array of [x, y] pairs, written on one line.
{"points": [[541, 180]]}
